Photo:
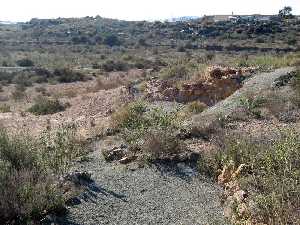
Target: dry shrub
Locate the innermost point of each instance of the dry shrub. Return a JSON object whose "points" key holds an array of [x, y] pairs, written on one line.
{"points": [[108, 83], [196, 107], [19, 93], [271, 175], [149, 131], [161, 143], [29, 169], [27, 195], [282, 107]]}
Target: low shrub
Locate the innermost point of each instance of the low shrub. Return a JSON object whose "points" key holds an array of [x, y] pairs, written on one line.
{"points": [[150, 131], [296, 87], [196, 107], [179, 70], [271, 175], [181, 49], [251, 105], [112, 40], [161, 143], [25, 62], [29, 172], [19, 92], [22, 79], [130, 116], [6, 77], [44, 106], [112, 65], [41, 75], [68, 76], [41, 90], [4, 108]]}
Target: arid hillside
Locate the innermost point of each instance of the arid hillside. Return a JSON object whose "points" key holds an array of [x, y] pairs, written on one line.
{"points": [[194, 121]]}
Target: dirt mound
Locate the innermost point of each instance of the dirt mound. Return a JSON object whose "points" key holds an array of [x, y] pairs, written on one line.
{"points": [[219, 84]]}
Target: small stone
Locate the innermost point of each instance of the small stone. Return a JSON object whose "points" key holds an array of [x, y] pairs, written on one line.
{"points": [[122, 146], [126, 160]]}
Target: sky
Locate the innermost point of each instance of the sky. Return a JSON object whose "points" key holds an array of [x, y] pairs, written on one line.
{"points": [[24, 10]]}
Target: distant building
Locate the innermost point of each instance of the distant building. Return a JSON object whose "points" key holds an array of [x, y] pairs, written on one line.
{"points": [[220, 18], [233, 18]]}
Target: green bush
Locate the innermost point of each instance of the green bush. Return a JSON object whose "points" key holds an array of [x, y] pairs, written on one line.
{"points": [[5, 77], [68, 76], [252, 104], [130, 116], [44, 106], [25, 63], [111, 65], [112, 40]]}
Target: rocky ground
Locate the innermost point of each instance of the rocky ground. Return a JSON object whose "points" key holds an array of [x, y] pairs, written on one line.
{"points": [[162, 193], [158, 194]]}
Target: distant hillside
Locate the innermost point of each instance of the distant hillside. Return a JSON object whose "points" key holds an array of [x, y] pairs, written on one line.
{"points": [[7, 22], [258, 31]]}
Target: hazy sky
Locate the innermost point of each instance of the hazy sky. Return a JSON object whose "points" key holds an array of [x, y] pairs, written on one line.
{"points": [[23, 10]]}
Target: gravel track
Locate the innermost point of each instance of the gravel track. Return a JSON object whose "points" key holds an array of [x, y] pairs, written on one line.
{"points": [[157, 194]]}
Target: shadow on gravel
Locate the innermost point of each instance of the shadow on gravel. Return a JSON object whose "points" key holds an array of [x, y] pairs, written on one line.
{"points": [[59, 221], [93, 191], [183, 170]]}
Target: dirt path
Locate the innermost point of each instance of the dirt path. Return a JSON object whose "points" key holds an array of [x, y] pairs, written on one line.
{"points": [[157, 194]]}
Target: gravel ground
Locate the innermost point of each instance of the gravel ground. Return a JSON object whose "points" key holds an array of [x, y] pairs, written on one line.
{"points": [[157, 194]]}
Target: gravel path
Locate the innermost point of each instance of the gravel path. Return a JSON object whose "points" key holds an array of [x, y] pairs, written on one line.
{"points": [[169, 194]]}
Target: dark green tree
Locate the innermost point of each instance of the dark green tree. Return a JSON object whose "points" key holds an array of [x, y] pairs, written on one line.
{"points": [[112, 40], [286, 12]]}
